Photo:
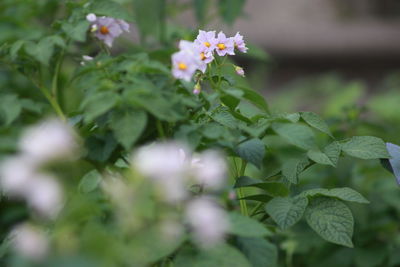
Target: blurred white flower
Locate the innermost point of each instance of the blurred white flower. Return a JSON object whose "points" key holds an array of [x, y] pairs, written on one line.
{"points": [[208, 221], [15, 174], [50, 140], [91, 17], [166, 164], [209, 169], [29, 242], [45, 196], [160, 161]]}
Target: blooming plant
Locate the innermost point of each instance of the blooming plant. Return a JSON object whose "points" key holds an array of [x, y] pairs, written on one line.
{"points": [[160, 153]]}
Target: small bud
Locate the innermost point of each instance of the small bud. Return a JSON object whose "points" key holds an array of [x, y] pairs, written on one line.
{"points": [[91, 17], [197, 89], [239, 71], [94, 28]]}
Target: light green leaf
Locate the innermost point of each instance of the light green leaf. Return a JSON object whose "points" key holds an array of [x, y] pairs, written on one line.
{"points": [[297, 134], [286, 211], [330, 156], [10, 108], [255, 98], [90, 181], [245, 226], [44, 49], [316, 121], [252, 151], [225, 118], [331, 219], [97, 104], [259, 251], [366, 147], [344, 193], [128, 126], [76, 31], [292, 168]]}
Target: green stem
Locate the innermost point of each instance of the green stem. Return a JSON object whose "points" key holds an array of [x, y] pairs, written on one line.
{"points": [[240, 193], [53, 102], [254, 211], [160, 129]]}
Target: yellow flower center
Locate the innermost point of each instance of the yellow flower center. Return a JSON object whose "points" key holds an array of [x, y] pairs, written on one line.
{"points": [[182, 66], [221, 46], [104, 30], [207, 44], [202, 56]]}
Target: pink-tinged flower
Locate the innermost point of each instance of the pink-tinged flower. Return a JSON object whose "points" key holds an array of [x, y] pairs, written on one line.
{"points": [[224, 45], [239, 71], [208, 221], [184, 65], [239, 43], [30, 242], [197, 89], [91, 17], [206, 40], [107, 29]]}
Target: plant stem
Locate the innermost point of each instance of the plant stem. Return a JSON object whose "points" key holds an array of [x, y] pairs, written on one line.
{"points": [[53, 102], [240, 193], [160, 129]]}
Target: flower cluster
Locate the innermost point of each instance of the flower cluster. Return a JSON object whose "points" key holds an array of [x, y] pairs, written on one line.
{"points": [[107, 29], [173, 169], [196, 55], [21, 177]]}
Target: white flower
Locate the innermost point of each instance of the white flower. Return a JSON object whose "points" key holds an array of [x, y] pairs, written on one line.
{"points": [[162, 160], [208, 221], [30, 242], [45, 196], [50, 140], [15, 174], [209, 169], [91, 17], [164, 163]]}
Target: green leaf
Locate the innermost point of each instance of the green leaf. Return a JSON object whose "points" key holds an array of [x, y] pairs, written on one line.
{"points": [[255, 98], [331, 219], [344, 193], [316, 121], [76, 31], [222, 255], [225, 118], [128, 126], [245, 226], [366, 147], [252, 151], [286, 211], [110, 8], [10, 108], [275, 189], [230, 9], [44, 49], [260, 197], [297, 134], [97, 104], [292, 168], [260, 252], [330, 156], [90, 181]]}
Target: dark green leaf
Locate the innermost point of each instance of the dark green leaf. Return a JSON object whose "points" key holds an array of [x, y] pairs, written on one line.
{"points": [[259, 251], [331, 219], [344, 193], [316, 121], [128, 126], [286, 211], [297, 134], [252, 151]]}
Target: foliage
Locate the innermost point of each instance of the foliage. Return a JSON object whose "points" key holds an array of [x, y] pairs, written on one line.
{"points": [[295, 168]]}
